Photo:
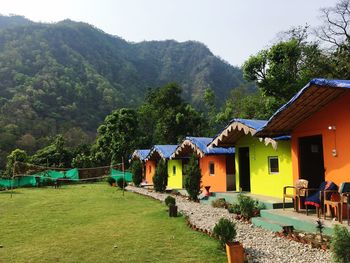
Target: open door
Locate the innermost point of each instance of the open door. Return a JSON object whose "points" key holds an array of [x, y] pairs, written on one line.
{"points": [[230, 173], [244, 168], [311, 163]]}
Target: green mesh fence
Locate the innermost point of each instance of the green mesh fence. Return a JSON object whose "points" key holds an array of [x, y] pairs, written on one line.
{"points": [[116, 174], [30, 180]]}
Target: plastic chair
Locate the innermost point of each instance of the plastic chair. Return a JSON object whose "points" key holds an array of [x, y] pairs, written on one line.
{"points": [[298, 193]]}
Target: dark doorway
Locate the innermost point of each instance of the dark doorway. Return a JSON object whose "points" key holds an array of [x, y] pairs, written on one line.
{"points": [[244, 169], [230, 173], [311, 164]]}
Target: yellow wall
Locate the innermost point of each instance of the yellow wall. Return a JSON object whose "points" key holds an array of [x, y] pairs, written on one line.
{"points": [[261, 181], [175, 181]]}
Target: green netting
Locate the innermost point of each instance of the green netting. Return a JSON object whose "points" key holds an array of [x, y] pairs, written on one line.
{"points": [[73, 174], [19, 182], [30, 180], [116, 174]]}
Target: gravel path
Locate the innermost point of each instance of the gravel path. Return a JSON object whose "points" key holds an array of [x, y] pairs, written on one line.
{"points": [[260, 244]]}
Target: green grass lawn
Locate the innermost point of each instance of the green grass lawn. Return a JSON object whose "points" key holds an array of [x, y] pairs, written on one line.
{"points": [[83, 223]]}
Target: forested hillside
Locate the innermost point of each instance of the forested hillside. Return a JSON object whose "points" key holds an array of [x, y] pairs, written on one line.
{"points": [[66, 77]]}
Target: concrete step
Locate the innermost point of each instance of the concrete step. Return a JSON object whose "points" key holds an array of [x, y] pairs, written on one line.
{"points": [[267, 224], [300, 222], [270, 203]]}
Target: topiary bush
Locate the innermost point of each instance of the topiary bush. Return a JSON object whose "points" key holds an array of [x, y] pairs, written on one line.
{"points": [[193, 178], [136, 169], [160, 177], [121, 183], [225, 231], [110, 180], [169, 200], [220, 203], [340, 245]]}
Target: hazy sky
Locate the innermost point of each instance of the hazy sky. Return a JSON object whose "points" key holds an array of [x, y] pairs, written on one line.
{"points": [[232, 29]]}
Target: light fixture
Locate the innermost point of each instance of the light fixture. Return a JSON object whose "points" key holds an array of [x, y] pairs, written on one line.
{"points": [[334, 150]]}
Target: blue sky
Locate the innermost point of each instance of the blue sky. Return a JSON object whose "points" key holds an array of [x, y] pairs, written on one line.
{"points": [[232, 29]]}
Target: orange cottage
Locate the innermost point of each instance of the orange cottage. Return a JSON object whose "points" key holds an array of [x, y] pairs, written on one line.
{"points": [[141, 156], [216, 164], [157, 153], [318, 118]]}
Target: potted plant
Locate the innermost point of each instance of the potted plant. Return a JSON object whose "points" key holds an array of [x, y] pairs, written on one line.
{"points": [[225, 231]]}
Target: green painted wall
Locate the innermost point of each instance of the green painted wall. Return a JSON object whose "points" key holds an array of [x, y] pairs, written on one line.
{"points": [[262, 182], [175, 180]]}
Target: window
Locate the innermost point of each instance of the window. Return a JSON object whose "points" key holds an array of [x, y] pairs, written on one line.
{"points": [[273, 164], [174, 170], [150, 169], [212, 168]]}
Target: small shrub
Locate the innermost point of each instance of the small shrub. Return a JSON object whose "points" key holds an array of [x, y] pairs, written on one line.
{"points": [[220, 203], [169, 200], [234, 208], [160, 177], [121, 183], [246, 207], [340, 245], [110, 180], [136, 169], [225, 231], [193, 178]]}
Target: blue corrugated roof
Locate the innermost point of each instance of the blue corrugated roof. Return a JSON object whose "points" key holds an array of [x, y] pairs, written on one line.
{"points": [[331, 83], [143, 153], [164, 150], [255, 124], [202, 144]]}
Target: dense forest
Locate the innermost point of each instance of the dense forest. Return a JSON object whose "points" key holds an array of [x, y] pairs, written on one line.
{"points": [[64, 78]]}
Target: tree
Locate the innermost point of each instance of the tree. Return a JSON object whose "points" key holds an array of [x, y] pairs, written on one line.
{"points": [[336, 25], [16, 155], [56, 154], [193, 178], [286, 67], [136, 169], [160, 178], [165, 118], [118, 136]]}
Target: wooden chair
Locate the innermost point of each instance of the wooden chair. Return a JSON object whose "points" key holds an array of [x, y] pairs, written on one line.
{"points": [[297, 194], [316, 199], [333, 199]]}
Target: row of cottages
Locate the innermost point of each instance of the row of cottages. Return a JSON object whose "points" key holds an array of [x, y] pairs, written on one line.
{"points": [[307, 138], [317, 118]]}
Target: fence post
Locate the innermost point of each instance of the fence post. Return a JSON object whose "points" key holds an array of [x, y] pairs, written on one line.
{"points": [[123, 168]]}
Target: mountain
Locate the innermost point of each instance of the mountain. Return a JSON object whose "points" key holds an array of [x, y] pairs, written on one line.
{"points": [[54, 77]]}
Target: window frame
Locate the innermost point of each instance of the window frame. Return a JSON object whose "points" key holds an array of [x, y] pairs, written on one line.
{"points": [[212, 164], [269, 159]]}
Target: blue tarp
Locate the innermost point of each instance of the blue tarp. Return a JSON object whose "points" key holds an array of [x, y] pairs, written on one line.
{"points": [[331, 83], [141, 154], [202, 144], [165, 151]]}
